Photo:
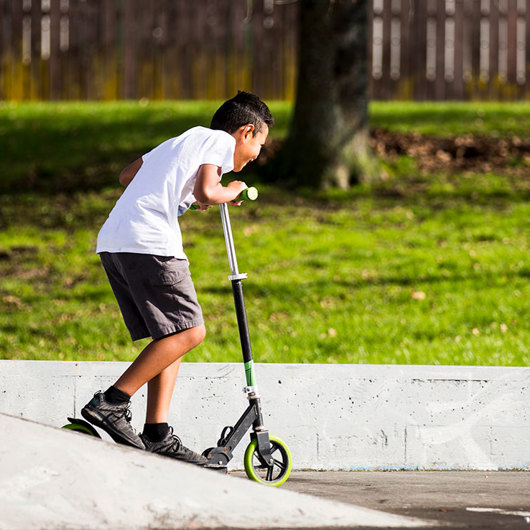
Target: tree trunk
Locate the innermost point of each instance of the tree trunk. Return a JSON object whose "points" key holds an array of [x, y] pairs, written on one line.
{"points": [[327, 145]]}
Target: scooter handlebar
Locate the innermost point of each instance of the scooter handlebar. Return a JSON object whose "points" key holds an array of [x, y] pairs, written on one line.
{"points": [[248, 194]]}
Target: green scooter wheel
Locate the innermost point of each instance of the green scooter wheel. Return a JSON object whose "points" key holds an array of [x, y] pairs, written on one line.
{"points": [[81, 426], [275, 474], [78, 428]]}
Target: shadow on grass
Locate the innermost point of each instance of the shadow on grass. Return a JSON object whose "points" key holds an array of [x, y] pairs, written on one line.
{"points": [[325, 287], [52, 148]]}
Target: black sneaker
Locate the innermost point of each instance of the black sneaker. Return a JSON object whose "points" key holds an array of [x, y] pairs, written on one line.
{"points": [[113, 419], [172, 446]]}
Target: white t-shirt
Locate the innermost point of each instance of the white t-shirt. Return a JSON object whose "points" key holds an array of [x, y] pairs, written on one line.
{"points": [[144, 219]]}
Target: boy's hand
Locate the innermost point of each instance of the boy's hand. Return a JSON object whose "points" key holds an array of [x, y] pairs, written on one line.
{"points": [[238, 186]]}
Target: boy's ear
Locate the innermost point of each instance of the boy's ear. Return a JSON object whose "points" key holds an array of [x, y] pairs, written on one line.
{"points": [[244, 132], [248, 130]]}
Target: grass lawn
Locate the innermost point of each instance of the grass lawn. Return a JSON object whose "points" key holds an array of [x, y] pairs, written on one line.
{"points": [[421, 268]]}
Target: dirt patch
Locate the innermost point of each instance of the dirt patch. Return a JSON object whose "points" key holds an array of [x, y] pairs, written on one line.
{"points": [[468, 152]]}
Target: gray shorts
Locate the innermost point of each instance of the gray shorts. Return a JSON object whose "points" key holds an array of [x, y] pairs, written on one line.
{"points": [[155, 293]]}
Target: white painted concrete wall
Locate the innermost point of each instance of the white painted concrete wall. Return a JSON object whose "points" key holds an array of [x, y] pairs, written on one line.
{"points": [[331, 416]]}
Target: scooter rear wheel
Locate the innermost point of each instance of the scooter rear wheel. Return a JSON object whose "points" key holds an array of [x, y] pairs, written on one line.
{"points": [[81, 426], [278, 472]]}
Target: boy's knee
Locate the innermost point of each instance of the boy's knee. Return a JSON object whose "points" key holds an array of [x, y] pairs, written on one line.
{"points": [[198, 334]]}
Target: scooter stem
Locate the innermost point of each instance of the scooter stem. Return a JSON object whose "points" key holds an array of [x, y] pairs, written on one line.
{"points": [[229, 240], [236, 278]]}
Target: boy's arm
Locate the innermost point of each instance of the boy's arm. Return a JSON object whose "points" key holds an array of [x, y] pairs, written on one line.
{"points": [[129, 172], [209, 190]]}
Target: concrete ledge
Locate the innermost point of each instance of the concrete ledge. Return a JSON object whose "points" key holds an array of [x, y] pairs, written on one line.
{"points": [[332, 416]]}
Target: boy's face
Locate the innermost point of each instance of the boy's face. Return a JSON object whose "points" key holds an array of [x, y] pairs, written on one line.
{"points": [[248, 145]]}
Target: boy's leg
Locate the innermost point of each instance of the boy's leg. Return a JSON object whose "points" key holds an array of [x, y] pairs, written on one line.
{"points": [[159, 394], [160, 358], [157, 357]]}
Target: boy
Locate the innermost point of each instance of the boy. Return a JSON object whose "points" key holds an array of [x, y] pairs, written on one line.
{"points": [[140, 246]]}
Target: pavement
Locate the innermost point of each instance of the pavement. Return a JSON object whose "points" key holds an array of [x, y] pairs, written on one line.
{"points": [[460, 499]]}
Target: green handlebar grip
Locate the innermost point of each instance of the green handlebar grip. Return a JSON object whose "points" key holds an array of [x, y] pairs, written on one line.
{"points": [[248, 194]]}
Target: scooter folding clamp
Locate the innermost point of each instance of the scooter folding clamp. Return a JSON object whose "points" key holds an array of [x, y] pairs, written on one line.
{"points": [[251, 391], [240, 276]]}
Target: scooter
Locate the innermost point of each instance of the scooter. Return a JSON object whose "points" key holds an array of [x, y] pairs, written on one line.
{"points": [[267, 458]]}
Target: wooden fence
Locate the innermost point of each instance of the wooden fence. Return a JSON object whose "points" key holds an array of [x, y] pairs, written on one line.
{"points": [[450, 49], [207, 49]]}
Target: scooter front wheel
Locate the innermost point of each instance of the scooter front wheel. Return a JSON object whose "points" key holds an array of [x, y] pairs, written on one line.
{"points": [[271, 475]]}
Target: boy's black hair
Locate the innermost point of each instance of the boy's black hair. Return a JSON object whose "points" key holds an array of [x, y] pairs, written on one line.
{"points": [[243, 109]]}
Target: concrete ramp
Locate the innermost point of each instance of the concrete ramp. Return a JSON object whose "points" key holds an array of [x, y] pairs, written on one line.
{"points": [[57, 479]]}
